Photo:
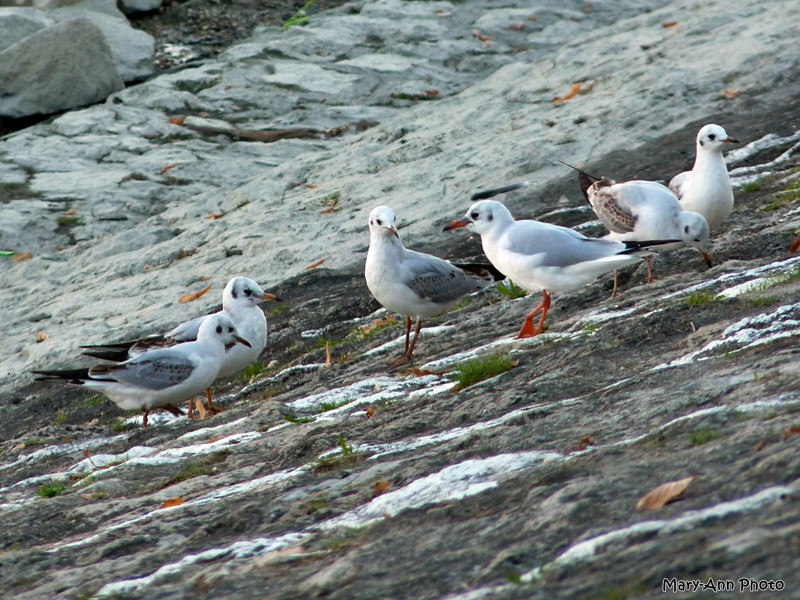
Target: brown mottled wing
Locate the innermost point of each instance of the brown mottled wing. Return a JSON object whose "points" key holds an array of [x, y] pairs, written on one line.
{"points": [[613, 214], [678, 183]]}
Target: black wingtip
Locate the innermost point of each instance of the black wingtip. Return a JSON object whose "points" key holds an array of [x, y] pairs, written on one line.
{"points": [[74, 376], [632, 247], [484, 194], [585, 179], [481, 269]]}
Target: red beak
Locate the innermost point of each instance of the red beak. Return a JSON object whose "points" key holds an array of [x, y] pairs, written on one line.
{"points": [[458, 223], [730, 140]]}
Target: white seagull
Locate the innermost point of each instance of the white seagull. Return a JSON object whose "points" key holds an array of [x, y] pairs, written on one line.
{"points": [[162, 377], [543, 257], [706, 189], [645, 210], [412, 283], [240, 300]]}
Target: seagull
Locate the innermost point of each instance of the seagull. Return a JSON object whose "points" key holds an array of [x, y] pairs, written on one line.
{"points": [[706, 189], [161, 377], [542, 257], [239, 302], [644, 210], [412, 283]]}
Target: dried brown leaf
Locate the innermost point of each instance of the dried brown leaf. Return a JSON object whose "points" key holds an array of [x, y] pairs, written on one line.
{"points": [[417, 372], [214, 215], [192, 296], [668, 24], [731, 94], [760, 445], [795, 246], [370, 412], [22, 256], [177, 120], [319, 263], [380, 487], [172, 502], [442, 13], [166, 168], [790, 432], [664, 494], [584, 443], [328, 357], [481, 37], [70, 213], [573, 91], [41, 336], [516, 27]]}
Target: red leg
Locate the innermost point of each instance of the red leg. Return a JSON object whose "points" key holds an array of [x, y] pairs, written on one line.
{"points": [[614, 292], [527, 329], [190, 412], [212, 410], [144, 419], [650, 278], [406, 355]]}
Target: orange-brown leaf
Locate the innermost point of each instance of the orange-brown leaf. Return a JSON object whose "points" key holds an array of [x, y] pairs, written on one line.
{"points": [[760, 445], [41, 336], [22, 256], [177, 120], [172, 502], [370, 412], [481, 37], [70, 213], [573, 91], [664, 494], [328, 357], [668, 24], [319, 263], [795, 246], [213, 215], [190, 297], [380, 487], [731, 94], [166, 168], [517, 27], [584, 443], [790, 432], [417, 372]]}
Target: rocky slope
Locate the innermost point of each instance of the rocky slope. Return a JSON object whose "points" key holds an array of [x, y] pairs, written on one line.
{"points": [[353, 481]]}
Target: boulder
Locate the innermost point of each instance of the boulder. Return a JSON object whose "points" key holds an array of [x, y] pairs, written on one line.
{"points": [[18, 23], [66, 65], [138, 6]]}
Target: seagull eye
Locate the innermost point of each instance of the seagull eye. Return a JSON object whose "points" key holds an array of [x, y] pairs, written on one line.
{"points": [[712, 137], [219, 328], [247, 292], [475, 215], [379, 222]]}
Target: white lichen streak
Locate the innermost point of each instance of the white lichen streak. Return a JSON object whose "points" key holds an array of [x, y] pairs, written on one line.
{"points": [[400, 341]]}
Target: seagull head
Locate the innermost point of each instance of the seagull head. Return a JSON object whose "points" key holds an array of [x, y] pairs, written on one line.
{"points": [[695, 232], [381, 222], [712, 137], [221, 327], [483, 216], [242, 292]]}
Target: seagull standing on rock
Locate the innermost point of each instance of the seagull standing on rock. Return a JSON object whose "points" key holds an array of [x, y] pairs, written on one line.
{"points": [[412, 283], [161, 377], [543, 257], [644, 210], [240, 300], [706, 189]]}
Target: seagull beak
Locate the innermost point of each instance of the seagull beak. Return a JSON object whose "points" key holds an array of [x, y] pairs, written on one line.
{"points": [[730, 140], [393, 231], [270, 297], [707, 258], [457, 224], [241, 340]]}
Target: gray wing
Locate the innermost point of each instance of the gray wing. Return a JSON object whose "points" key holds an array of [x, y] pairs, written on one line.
{"points": [[156, 370], [186, 332], [440, 280], [678, 182], [556, 246], [610, 207]]}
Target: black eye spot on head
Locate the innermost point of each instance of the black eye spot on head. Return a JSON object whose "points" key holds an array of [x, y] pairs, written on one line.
{"points": [[491, 217], [701, 143], [234, 294], [371, 222], [230, 328], [475, 215], [219, 328], [686, 229]]}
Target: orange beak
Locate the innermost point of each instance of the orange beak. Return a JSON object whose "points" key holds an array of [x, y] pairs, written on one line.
{"points": [[457, 224], [707, 258], [730, 140], [394, 231], [270, 297]]}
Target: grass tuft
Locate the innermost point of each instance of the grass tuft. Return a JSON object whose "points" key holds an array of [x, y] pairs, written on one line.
{"points": [[753, 186], [702, 298], [472, 371], [703, 436], [511, 289], [49, 491]]}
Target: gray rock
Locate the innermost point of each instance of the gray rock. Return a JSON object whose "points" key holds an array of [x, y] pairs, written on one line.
{"points": [[132, 49], [18, 23], [136, 6], [64, 66]]}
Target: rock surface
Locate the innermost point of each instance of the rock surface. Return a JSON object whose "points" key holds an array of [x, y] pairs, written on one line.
{"points": [[350, 481]]}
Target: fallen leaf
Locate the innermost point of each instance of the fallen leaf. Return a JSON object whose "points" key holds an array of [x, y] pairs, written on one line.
{"points": [[518, 27], [18, 447], [311, 186], [194, 295], [87, 496], [417, 372], [432, 93], [41, 336], [177, 120], [370, 412], [70, 213], [167, 168], [66, 439], [573, 91], [328, 357], [201, 408], [483, 38], [378, 323], [172, 502], [731, 94], [380, 487], [320, 262], [22, 256], [213, 215], [332, 206], [760, 445], [187, 253], [795, 246], [668, 24], [441, 13], [790, 432], [664, 494], [585, 441]]}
